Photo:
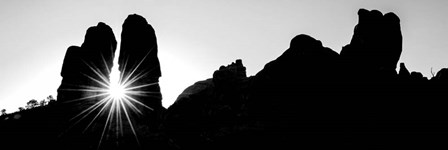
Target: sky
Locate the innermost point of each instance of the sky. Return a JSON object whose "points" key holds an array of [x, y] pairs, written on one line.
{"points": [[195, 37]]}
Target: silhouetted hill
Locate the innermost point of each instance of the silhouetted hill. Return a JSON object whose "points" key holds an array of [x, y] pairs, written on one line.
{"points": [[32, 128], [313, 97], [310, 97]]}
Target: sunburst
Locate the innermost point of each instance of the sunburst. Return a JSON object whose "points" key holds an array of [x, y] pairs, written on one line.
{"points": [[117, 91], [116, 98]]}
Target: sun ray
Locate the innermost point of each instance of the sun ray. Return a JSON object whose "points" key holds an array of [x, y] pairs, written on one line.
{"points": [[96, 116], [118, 122], [98, 73], [116, 96], [91, 109], [138, 102], [141, 86], [138, 65], [120, 80], [87, 97], [105, 127], [105, 64], [132, 106], [130, 122], [137, 77], [142, 93], [105, 84], [134, 78], [79, 120]]}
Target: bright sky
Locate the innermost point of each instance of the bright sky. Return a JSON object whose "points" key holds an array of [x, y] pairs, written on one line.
{"points": [[196, 37]]}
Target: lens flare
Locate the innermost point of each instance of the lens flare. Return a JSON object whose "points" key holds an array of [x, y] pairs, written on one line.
{"points": [[114, 99], [117, 91]]}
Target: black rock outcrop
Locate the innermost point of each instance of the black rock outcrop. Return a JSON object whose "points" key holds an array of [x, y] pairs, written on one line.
{"points": [[228, 75], [404, 72], [376, 44], [442, 75], [85, 72], [209, 113], [138, 60], [83, 65], [310, 97], [85, 114]]}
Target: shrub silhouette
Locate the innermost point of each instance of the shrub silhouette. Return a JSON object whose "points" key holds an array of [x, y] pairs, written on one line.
{"points": [[31, 104]]}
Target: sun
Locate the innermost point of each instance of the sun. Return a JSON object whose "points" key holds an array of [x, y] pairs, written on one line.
{"points": [[116, 99], [117, 91]]}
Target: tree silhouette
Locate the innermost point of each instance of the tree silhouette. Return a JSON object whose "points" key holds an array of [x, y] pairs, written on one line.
{"points": [[42, 103], [21, 109], [50, 100], [31, 104], [3, 111]]}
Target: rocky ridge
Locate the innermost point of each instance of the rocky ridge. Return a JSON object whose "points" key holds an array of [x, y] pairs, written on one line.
{"points": [[310, 97]]}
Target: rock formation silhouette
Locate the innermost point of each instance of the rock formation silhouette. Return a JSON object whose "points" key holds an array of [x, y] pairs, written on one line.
{"points": [[376, 44], [258, 109], [85, 67], [93, 60], [138, 59], [90, 65], [205, 108], [310, 97], [404, 72], [442, 75]]}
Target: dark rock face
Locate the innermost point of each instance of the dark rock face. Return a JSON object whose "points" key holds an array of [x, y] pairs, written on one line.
{"points": [[228, 75], [312, 97], [71, 76], [138, 59], [210, 113], [442, 75], [306, 69], [100, 44], [92, 60], [254, 112], [86, 72], [376, 44], [403, 73], [84, 67]]}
